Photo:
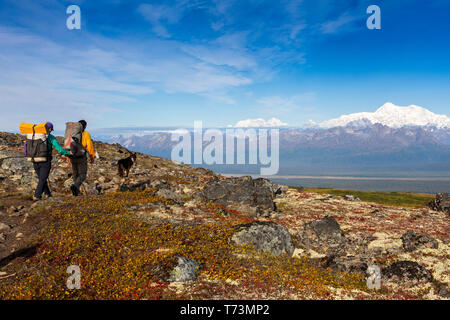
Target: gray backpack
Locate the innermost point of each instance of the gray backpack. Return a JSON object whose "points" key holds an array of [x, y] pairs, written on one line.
{"points": [[36, 147], [72, 138]]}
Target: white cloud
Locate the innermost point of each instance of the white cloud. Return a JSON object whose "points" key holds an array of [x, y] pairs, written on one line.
{"points": [[276, 105], [228, 50], [257, 123], [295, 30], [157, 15], [102, 74], [338, 24]]}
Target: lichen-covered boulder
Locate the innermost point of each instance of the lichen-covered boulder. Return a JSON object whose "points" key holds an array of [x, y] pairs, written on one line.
{"points": [[185, 270], [324, 236], [243, 190], [265, 236], [441, 203], [413, 241], [170, 195], [175, 269], [14, 161]]}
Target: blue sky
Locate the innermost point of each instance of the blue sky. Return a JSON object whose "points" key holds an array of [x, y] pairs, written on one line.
{"points": [[169, 63]]}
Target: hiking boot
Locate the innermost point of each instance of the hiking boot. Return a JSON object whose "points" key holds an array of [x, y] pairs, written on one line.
{"points": [[46, 196], [75, 190], [36, 199]]}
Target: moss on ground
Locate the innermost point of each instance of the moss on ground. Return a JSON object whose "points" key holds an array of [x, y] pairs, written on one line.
{"points": [[116, 251], [400, 199]]}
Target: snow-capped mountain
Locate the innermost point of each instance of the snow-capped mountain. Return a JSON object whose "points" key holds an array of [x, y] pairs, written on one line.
{"points": [[392, 116], [392, 141]]}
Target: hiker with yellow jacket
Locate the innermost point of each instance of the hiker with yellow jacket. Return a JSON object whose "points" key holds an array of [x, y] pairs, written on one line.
{"points": [[80, 161]]}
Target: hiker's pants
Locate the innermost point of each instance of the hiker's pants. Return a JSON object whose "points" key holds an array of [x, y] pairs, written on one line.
{"points": [[79, 170], [42, 170]]}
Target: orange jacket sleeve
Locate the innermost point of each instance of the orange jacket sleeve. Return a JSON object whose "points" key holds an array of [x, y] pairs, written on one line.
{"points": [[88, 145]]}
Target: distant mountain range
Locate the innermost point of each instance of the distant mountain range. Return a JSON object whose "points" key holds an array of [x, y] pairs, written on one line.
{"points": [[393, 141]]}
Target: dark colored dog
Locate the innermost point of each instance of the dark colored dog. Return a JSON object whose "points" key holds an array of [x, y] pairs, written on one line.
{"points": [[126, 164]]}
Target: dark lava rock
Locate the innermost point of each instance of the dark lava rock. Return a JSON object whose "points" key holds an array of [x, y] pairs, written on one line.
{"points": [[440, 203], [265, 236], [244, 190], [406, 271], [413, 241], [323, 236]]}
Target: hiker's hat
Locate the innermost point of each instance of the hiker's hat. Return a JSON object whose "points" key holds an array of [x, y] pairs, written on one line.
{"points": [[49, 125]]}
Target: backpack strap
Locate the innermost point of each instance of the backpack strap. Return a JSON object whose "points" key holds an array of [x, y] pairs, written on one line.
{"points": [[32, 158], [49, 147]]}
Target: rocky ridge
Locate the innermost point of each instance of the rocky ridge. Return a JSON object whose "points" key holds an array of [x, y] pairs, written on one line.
{"points": [[333, 233]]}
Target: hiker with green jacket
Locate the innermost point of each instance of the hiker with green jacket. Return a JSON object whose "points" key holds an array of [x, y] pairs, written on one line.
{"points": [[43, 168]]}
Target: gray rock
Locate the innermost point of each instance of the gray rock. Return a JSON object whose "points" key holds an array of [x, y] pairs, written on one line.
{"points": [[147, 206], [444, 292], [14, 161], [170, 195], [185, 270], [244, 190], [440, 203], [159, 184], [136, 186], [11, 140], [91, 188], [328, 198], [175, 269], [10, 154], [351, 198], [345, 264], [403, 271], [413, 241], [265, 236], [272, 186], [323, 236]]}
